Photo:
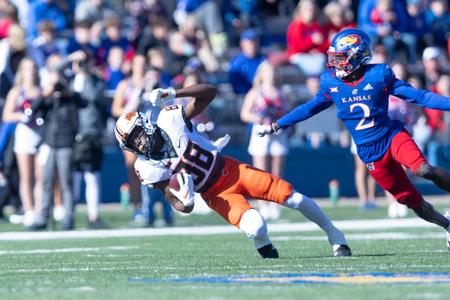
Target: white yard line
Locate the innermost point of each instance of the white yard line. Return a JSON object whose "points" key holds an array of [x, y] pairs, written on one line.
{"points": [[369, 236], [67, 250], [209, 230]]}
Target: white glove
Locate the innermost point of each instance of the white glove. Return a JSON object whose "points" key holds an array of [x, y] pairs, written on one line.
{"points": [[262, 130], [159, 96], [186, 192], [220, 143]]}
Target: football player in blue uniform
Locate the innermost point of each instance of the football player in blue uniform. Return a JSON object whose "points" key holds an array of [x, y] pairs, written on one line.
{"points": [[360, 92]]}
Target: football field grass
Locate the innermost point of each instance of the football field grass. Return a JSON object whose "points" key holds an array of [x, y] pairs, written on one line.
{"points": [[400, 259]]}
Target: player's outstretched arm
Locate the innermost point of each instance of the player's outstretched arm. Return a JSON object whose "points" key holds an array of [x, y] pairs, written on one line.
{"points": [[299, 114], [419, 97], [203, 94], [163, 186]]}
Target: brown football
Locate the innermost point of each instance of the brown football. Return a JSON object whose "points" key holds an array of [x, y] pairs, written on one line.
{"points": [[173, 182]]}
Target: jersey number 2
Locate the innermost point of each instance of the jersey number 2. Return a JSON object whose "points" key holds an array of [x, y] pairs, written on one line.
{"points": [[363, 123]]}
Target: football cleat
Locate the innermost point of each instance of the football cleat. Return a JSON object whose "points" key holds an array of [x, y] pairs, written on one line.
{"points": [[342, 250], [268, 251]]}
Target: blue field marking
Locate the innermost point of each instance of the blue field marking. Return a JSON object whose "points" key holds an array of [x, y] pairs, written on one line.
{"points": [[312, 278]]}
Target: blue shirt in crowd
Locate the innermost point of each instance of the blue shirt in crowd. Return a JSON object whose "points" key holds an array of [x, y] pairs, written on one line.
{"points": [[242, 71], [44, 11]]}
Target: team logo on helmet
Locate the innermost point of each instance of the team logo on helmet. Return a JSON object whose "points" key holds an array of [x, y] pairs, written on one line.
{"points": [[350, 39]]}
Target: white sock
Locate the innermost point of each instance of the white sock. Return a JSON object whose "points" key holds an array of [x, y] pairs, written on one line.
{"points": [[314, 213], [253, 224], [92, 180]]}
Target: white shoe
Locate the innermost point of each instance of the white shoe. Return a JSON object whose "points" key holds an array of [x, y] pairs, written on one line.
{"points": [[16, 219], [58, 213], [28, 218]]}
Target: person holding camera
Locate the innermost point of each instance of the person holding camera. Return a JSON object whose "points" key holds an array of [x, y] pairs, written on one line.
{"points": [[88, 152], [59, 106]]}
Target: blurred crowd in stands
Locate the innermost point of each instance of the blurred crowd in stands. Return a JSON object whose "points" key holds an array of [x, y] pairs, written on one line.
{"points": [[68, 68]]}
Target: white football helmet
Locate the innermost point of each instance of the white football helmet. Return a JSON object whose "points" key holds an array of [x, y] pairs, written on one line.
{"points": [[136, 133]]}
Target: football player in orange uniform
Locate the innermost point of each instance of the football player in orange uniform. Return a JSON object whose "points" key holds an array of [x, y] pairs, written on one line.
{"points": [[167, 144]]}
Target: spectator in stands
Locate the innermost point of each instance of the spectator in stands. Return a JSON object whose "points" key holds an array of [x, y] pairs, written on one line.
{"points": [[81, 39], [8, 16], [126, 99], [263, 104], [45, 10], [59, 106], [157, 61], [241, 15], [180, 50], [307, 40], [87, 152], [143, 11], [198, 40], [436, 121], [379, 55], [243, 66], [431, 66], [438, 19], [45, 44], [339, 18], [12, 51], [92, 11], [18, 108], [155, 34], [114, 72], [386, 22], [417, 23], [114, 38], [209, 16]]}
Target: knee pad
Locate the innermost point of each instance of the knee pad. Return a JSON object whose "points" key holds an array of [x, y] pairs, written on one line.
{"points": [[253, 224], [294, 201]]}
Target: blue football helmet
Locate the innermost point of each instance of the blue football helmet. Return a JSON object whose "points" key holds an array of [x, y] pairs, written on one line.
{"points": [[349, 50]]}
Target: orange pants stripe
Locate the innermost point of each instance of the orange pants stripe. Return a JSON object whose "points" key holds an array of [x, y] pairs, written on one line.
{"points": [[239, 182]]}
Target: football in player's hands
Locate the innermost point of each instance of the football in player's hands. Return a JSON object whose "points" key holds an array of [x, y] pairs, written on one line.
{"points": [[173, 182]]}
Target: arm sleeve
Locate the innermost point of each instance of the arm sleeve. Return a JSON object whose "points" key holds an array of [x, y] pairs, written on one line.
{"points": [[320, 102], [421, 98]]}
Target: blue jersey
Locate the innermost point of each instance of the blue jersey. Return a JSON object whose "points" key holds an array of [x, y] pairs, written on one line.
{"points": [[363, 107]]}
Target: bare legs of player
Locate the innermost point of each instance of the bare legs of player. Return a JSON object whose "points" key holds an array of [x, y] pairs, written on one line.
{"points": [[438, 175], [441, 178]]}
